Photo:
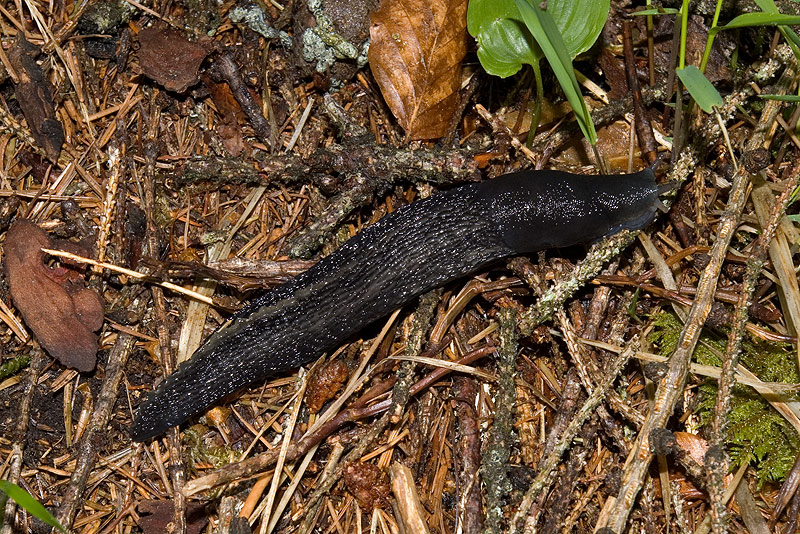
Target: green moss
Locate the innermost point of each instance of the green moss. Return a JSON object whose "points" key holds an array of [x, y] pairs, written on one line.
{"points": [[200, 451], [757, 434], [14, 365]]}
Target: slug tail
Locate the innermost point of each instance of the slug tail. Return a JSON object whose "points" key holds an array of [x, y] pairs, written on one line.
{"points": [[175, 400], [212, 373]]}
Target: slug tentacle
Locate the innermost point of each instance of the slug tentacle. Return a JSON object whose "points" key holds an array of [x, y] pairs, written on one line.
{"points": [[417, 248]]}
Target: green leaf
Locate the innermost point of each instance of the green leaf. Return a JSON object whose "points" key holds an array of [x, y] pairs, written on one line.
{"points": [[700, 88], [781, 98], [658, 11], [747, 20], [579, 22], [25, 500], [768, 6], [544, 29], [504, 43]]}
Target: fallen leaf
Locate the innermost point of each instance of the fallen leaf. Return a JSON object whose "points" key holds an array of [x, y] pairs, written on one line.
{"points": [[415, 54], [62, 313], [35, 96], [170, 59], [693, 445], [230, 113]]}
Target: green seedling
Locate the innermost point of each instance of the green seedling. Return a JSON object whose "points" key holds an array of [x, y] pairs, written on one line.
{"points": [[31, 505], [513, 33]]}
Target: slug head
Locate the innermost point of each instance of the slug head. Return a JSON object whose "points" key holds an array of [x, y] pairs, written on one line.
{"points": [[536, 210]]}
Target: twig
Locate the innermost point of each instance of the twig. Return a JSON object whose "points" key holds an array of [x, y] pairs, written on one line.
{"points": [[229, 71], [88, 447], [167, 356], [498, 126], [495, 458], [116, 160], [587, 269], [384, 165], [408, 504], [717, 470], [466, 454], [131, 273], [670, 388], [644, 130], [19, 434]]}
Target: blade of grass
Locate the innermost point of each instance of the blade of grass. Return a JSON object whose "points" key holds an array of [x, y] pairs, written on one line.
{"points": [[26, 501], [748, 20], [781, 98], [768, 6], [544, 30]]}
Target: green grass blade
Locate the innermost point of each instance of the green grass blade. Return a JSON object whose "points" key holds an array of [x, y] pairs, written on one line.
{"points": [[26, 501], [657, 11], [781, 98], [748, 20], [544, 29], [768, 6], [700, 88]]}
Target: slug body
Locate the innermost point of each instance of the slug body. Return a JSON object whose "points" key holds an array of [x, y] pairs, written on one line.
{"points": [[411, 251]]}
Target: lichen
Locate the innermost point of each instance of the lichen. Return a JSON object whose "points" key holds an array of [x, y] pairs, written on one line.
{"points": [[323, 45], [254, 18], [104, 17]]}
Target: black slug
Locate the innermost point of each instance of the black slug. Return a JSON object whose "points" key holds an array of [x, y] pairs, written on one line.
{"points": [[411, 251]]}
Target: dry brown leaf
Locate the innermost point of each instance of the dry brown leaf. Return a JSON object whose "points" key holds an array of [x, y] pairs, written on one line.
{"points": [[170, 59], [156, 516], [415, 53], [55, 303], [35, 96]]}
